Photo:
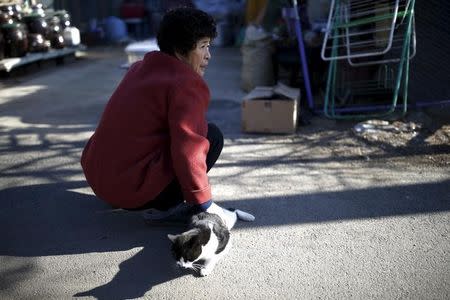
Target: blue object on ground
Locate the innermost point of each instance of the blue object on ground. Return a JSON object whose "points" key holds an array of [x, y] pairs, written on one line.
{"points": [[115, 29]]}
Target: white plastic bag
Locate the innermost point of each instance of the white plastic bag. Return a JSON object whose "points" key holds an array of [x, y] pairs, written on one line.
{"points": [[257, 62]]}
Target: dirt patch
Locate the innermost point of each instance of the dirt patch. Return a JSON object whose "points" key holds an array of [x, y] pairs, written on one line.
{"points": [[416, 139]]}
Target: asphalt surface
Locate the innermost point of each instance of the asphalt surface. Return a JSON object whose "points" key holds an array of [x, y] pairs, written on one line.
{"points": [[328, 226]]}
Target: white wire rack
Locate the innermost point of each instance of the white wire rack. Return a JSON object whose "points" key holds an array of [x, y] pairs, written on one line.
{"points": [[368, 45], [363, 31]]}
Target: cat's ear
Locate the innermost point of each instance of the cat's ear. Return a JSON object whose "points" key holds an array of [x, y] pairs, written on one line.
{"points": [[172, 237]]}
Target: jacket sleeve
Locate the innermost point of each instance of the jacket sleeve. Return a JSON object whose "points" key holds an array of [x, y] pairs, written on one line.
{"points": [[187, 106]]}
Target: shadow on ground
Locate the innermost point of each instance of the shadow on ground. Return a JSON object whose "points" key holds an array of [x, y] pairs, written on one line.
{"points": [[137, 275], [45, 220], [52, 219]]}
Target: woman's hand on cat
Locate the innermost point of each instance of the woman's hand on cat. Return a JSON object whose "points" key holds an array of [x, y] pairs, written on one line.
{"points": [[228, 217], [244, 216]]}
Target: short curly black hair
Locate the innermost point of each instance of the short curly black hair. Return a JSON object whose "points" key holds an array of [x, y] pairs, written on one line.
{"points": [[181, 29]]}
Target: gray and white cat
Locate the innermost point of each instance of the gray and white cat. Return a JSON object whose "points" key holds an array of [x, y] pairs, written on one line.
{"points": [[204, 244]]}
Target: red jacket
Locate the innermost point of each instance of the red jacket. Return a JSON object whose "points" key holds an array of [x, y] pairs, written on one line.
{"points": [[152, 129]]}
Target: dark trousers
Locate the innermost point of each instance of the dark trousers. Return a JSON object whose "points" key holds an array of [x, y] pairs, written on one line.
{"points": [[172, 194]]}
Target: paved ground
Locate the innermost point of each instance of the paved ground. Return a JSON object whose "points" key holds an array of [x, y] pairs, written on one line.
{"points": [[338, 217]]}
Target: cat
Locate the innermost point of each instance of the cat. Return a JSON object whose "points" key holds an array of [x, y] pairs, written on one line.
{"points": [[203, 245]]}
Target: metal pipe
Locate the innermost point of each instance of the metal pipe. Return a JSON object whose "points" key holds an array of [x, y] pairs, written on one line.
{"points": [[301, 47]]}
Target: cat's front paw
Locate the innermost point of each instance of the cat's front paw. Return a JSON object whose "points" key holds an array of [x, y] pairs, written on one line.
{"points": [[205, 271]]}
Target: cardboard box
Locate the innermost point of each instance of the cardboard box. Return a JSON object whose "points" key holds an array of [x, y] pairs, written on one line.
{"points": [[270, 109]]}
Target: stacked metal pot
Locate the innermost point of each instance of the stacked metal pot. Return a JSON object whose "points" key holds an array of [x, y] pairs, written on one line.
{"points": [[34, 30], [14, 35]]}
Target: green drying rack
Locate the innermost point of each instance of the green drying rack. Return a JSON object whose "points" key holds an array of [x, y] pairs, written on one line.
{"points": [[363, 36]]}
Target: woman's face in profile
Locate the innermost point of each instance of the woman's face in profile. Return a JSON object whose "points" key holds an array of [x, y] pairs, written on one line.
{"points": [[198, 58]]}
